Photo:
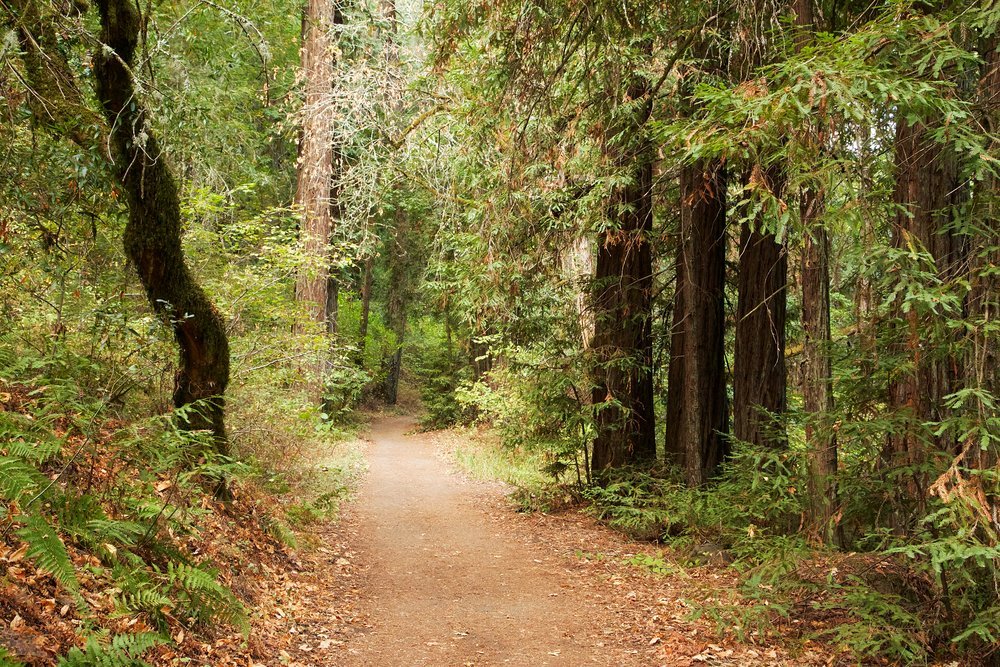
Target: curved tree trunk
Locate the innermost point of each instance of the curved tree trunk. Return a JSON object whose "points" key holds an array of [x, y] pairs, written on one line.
{"points": [[153, 234]]}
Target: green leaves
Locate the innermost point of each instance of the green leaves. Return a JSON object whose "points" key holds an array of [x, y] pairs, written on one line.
{"points": [[47, 549]]}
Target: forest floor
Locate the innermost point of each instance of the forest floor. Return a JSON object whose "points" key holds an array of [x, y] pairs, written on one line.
{"points": [[429, 567]]}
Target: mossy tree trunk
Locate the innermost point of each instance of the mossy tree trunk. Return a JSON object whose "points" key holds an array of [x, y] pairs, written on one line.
{"points": [[152, 236]]}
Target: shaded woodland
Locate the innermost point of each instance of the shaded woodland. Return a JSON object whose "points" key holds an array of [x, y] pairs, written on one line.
{"points": [[728, 271]]}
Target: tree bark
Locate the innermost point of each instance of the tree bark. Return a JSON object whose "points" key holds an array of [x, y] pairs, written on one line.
{"points": [[927, 191], [578, 266], [316, 151], [697, 408], [817, 370], [396, 315], [399, 266], [623, 342], [817, 392], [152, 236], [984, 297], [759, 381]]}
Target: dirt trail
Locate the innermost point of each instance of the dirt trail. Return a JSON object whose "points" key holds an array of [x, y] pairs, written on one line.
{"points": [[449, 583]]}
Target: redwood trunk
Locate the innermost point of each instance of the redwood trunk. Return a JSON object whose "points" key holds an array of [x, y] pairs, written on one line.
{"points": [[927, 189], [817, 371], [316, 151], [696, 398], [622, 342], [817, 392], [759, 360], [984, 298], [152, 236]]}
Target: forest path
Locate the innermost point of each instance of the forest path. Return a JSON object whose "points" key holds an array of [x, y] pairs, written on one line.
{"points": [[450, 582]]}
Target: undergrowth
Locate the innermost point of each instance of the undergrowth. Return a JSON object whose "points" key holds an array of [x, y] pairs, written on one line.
{"points": [[113, 520]]}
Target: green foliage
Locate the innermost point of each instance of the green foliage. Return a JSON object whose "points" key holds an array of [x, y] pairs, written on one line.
{"points": [[343, 385], [201, 598], [881, 624], [121, 651], [48, 551], [440, 370], [6, 660]]}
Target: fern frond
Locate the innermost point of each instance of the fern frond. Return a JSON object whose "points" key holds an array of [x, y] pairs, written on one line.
{"points": [[48, 551], [123, 651], [18, 480], [203, 597], [127, 533]]}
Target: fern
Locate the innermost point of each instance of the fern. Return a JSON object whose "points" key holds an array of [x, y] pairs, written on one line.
{"points": [[203, 597], [127, 533], [140, 594], [7, 660], [123, 651], [48, 551], [18, 480]]}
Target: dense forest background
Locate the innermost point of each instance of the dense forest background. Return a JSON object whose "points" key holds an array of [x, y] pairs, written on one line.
{"points": [[727, 270]]}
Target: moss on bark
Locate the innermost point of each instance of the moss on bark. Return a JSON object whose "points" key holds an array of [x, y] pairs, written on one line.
{"points": [[152, 237]]}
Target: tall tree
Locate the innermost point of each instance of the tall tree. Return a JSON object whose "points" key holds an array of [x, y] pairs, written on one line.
{"points": [[316, 152], [759, 378], [928, 192], [401, 253], [817, 372], [697, 409], [622, 306], [153, 233], [984, 296]]}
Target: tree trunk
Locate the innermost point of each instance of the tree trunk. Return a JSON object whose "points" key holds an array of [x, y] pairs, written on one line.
{"points": [[398, 259], [316, 151], [927, 190], [817, 371], [696, 395], [623, 342], [984, 297], [817, 392], [332, 303], [578, 266], [396, 321], [152, 236], [759, 358]]}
